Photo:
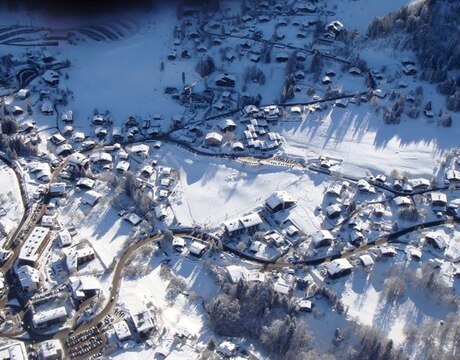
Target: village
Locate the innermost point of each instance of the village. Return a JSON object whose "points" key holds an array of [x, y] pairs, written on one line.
{"points": [[271, 151]]}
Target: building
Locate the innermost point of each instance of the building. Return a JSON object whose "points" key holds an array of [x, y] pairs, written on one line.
{"points": [[141, 150], [34, 246], [29, 278], [48, 317], [438, 199], [133, 219], [227, 125], [213, 139], [436, 240], [75, 257], [50, 350], [338, 267], [322, 238], [57, 189], [84, 287], [122, 331], [278, 201], [79, 160], [333, 211], [249, 223], [143, 322], [64, 238], [225, 80], [13, 351], [90, 198], [197, 248]]}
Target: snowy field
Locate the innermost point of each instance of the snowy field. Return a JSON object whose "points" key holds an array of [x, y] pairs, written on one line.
{"points": [[212, 190], [11, 208]]}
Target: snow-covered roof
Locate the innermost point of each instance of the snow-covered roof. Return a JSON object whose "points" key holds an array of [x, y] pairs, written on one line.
{"points": [[30, 249], [46, 316], [142, 321], [366, 260], [251, 220], [278, 198], [338, 266], [197, 248], [28, 276], [90, 197], [122, 330]]}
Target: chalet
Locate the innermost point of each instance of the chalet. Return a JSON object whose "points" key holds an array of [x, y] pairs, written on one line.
{"points": [[225, 80], [57, 189], [254, 58], [366, 260], [322, 238], [84, 287], [381, 94], [227, 125], [333, 211], [78, 136], [147, 171], [402, 201], [67, 117], [335, 26], [355, 71], [249, 223], [326, 80], [365, 187], [197, 248], [356, 237], [282, 57], [78, 160], [246, 18], [339, 267], [98, 119], [23, 94], [101, 158], [387, 251], [100, 132], [305, 305], [160, 211], [17, 110], [419, 184], [48, 221], [415, 253], [409, 70], [47, 108], [67, 131], [237, 146], [133, 219], [453, 176], [227, 349], [141, 150], [341, 103], [408, 62], [57, 139], [90, 198], [172, 55], [278, 201], [122, 166], [301, 56], [178, 243], [438, 199], [299, 75], [379, 210], [263, 18], [334, 189], [436, 240], [255, 246], [213, 139], [63, 150]]}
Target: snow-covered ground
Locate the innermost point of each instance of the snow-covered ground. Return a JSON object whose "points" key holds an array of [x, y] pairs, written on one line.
{"points": [[11, 207]]}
